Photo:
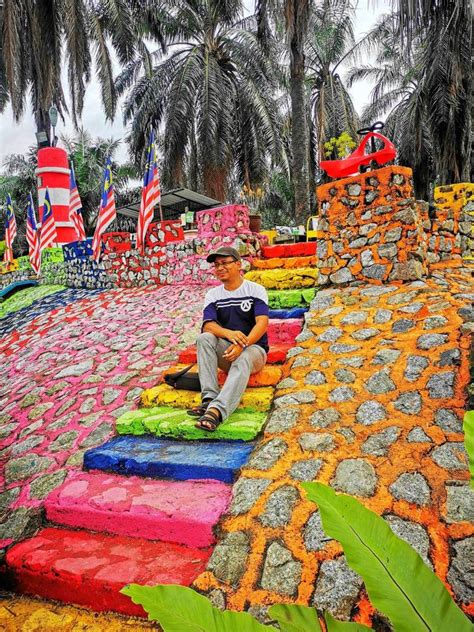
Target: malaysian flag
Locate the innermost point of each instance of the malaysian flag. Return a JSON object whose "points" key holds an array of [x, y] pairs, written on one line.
{"points": [[10, 230], [48, 235], [151, 194], [75, 206], [32, 236], [106, 211]]}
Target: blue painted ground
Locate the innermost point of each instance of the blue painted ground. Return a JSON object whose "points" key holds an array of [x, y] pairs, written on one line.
{"points": [[294, 312], [162, 458], [9, 290], [17, 320]]}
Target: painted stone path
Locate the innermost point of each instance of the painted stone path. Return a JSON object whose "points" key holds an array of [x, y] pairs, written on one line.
{"points": [[372, 405], [69, 374]]}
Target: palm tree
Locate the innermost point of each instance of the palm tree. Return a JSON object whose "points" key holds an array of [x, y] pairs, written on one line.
{"points": [[398, 96], [211, 95], [39, 36], [295, 15], [445, 28], [330, 43]]}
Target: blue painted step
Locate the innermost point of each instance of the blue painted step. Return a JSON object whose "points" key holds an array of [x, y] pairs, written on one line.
{"points": [[162, 458], [9, 290], [294, 312]]}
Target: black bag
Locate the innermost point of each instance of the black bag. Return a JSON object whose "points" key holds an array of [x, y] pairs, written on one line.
{"points": [[184, 379]]}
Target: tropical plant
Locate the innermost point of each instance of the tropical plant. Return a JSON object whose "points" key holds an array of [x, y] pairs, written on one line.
{"points": [[340, 147], [468, 428], [397, 580], [211, 94], [330, 43], [40, 36], [398, 95]]}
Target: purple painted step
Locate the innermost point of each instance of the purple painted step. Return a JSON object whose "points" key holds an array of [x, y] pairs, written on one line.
{"points": [[184, 512]]}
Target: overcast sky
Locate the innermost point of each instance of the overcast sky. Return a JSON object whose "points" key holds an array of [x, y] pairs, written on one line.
{"points": [[17, 137]]}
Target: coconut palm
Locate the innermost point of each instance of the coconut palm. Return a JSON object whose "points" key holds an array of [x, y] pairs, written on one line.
{"points": [[211, 95], [40, 36]]}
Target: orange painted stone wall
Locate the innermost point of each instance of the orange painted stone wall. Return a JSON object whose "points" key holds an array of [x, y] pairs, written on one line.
{"points": [[452, 223], [371, 228]]}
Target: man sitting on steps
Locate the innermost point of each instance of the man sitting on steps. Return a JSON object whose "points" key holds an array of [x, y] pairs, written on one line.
{"points": [[233, 338]]}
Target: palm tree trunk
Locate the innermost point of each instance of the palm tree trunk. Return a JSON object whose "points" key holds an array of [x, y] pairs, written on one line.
{"points": [[299, 133], [215, 182]]}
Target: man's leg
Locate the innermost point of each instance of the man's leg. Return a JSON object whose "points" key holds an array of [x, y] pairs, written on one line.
{"points": [[209, 351], [251, 360]]}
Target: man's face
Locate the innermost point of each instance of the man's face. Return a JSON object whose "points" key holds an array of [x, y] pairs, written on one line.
{"points": [[226, 268]]}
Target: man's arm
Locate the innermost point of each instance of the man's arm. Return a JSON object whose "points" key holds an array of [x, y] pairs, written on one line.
{"points": [[260, 327], [236, 337]]}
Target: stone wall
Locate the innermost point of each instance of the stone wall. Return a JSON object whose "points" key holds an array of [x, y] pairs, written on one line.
{"points": [[371, 228], [452, 223], [81, 270]]}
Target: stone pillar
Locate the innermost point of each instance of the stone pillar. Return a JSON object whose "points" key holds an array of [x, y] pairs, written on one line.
{"points": [[452, 234], [371, 229]]}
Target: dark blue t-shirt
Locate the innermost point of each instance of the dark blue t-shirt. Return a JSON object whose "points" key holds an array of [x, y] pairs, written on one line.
{"points": [[236, 309]]}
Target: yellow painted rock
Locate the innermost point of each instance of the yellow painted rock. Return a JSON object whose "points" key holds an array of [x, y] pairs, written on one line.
{"points": [[164, 395], [284, 279], [21, 614], [270, 375]]}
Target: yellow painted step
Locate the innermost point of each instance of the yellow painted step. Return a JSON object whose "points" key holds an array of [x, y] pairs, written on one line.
{"points": [[22, 614], [284, 279], [270, 375], [164, 395]]}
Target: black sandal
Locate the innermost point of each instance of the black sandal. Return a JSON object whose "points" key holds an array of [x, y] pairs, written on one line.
{"points": [[212, 421], [199, 411]]}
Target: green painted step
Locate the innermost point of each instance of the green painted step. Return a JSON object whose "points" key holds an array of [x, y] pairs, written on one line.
{"points": [[290, 298], [163, 421]]}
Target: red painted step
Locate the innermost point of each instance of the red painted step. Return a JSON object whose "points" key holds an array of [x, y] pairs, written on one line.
{"points": [[302, 249], [183, 512], [89, 569], [276, 355]]}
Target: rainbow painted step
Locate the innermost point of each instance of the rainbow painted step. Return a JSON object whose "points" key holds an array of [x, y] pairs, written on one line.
{"points": [[162, 421], [259, 399], [89, 569], [276, 355], [294, 312], [302, 249], [268, 376], [280, 279], [183, 512], [179, 460], [284, 262], [283, 299]]}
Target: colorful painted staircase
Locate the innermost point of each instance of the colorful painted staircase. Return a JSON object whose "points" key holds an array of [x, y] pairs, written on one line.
{"points": [[145, 508]]}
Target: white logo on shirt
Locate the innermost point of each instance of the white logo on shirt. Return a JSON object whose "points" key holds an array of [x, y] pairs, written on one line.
{"points": [[246, 306]]}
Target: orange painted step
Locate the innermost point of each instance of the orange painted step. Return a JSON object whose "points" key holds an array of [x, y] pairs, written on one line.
{"points": [[89, 569], [284, 262], [276, 355], [268, 376]]}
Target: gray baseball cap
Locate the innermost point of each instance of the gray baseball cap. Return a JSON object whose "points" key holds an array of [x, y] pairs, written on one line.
{"points": [[224, 251]]}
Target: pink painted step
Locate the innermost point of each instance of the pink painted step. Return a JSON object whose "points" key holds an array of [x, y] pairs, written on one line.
{"points": [[89, 569], [284, 330], [184, 512]]}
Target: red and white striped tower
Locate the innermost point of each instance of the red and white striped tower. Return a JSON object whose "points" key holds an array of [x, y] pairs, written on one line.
{"points": [[53, 174]]}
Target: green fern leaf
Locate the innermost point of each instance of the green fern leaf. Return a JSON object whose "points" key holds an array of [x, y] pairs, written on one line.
{"points": [[177, 608], [398, 582], [292, 618], [333, 625]]}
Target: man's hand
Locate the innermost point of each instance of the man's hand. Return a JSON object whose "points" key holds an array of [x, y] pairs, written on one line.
{"points": [[237, 338], [232, 352]]}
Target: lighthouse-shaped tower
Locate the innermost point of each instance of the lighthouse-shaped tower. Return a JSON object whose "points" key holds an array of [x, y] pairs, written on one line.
{"points": [[53, 174]]}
